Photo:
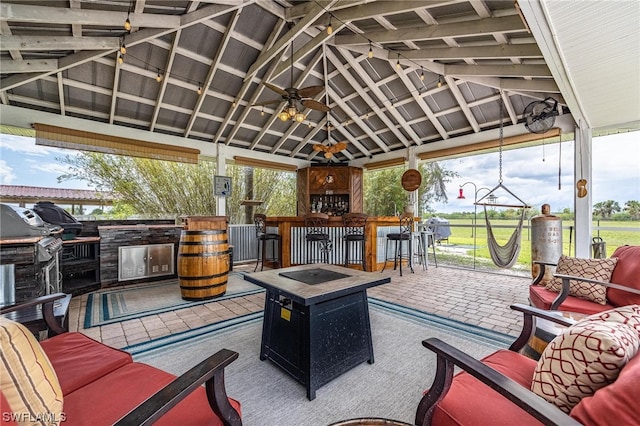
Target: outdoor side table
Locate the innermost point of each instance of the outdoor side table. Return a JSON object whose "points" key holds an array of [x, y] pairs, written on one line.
{"points": [[316, 320]]}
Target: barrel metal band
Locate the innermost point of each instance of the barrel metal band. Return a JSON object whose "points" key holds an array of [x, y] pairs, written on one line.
{"points": [[207, 254], [203, 243], [207, 232], [202, 287], [206, 277]]}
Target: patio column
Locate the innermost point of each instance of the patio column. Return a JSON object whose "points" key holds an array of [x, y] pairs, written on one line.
{"points": [[221, 167], [413, 164], [583, 207]]}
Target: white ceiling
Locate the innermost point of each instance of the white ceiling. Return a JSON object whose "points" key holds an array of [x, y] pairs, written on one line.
{"points": [[59, 65]]}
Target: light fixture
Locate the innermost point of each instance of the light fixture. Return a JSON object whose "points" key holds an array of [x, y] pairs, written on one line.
{"points": [[370, 51], [421, 74], [233, 104], [300, 117], [262, 112], [329, 28], [127, 23], [159, 76], [439, 81], [123, 48], [284, 115], [120, 59], [199, 91], [398, 66]]}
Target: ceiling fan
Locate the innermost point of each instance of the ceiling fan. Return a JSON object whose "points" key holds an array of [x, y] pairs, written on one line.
{"points": [[329, 150], [540, 115], [295, 98]]}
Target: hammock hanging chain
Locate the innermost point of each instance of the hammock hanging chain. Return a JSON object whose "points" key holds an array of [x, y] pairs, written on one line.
{"points": [[501, 135]]}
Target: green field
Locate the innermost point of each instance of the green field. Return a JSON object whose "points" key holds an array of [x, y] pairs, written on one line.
{"points": [[614, 234]]}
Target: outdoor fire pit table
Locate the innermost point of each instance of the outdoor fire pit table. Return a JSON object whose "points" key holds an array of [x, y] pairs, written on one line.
{"points": [[316, 320]]}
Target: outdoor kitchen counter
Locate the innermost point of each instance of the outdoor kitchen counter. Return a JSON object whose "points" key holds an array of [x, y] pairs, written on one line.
{"points": [[293, 250], [113, 237]]}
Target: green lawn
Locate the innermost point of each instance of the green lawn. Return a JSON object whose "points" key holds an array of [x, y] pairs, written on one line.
{"points": [[626, 233]]}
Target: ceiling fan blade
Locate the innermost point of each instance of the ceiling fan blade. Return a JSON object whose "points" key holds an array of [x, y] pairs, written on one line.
{"points": [[276, 89], [319, 147], [340, 146], [273, 101], [318, 106], [310, 92]]}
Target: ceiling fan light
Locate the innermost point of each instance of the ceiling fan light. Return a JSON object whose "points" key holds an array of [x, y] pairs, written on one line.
{"points": [[328, 154], [292, 111], [283, 116], [300, 117]]}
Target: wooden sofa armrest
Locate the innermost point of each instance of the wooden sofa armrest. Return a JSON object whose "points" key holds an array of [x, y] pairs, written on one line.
{"points": [[47, 303], [448, 357], [211, 372], [528, 325], [541, 271], [566, 283]]}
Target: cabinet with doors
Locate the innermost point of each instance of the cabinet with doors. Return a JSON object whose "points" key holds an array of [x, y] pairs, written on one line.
{"points": [[334, 190]]}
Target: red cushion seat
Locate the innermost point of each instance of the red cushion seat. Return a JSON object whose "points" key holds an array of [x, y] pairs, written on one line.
{"points": [[462, 406], [110, 397], [79, 360], [542, 298]]}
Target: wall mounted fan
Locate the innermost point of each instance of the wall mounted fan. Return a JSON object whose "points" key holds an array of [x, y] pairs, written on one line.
{"points": [[296, 98], [540, 115]]}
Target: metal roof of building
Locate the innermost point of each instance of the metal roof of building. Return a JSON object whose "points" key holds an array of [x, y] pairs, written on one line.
{"points": [[33, 194], [59, 66]]}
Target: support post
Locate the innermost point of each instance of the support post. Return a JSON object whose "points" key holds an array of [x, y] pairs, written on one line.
{"points": [[583, 207], [221, 165]]}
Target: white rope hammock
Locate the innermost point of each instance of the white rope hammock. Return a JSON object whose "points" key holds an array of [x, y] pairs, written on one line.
{"points": [[504, 256]]}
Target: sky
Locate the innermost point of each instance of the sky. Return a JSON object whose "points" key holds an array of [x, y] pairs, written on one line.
{"points": [[529, 173]]}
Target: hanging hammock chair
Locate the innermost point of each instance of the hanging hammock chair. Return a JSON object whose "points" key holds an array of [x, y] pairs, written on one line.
{"points": [[503, 256]]}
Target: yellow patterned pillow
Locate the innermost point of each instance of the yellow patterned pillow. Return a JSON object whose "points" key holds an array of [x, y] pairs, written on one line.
{"points": [[595, 269], [27, 379]]}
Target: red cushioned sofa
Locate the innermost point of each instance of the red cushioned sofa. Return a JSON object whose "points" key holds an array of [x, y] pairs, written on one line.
{"points": [[496, 390], [624, 288], [102, 385]]}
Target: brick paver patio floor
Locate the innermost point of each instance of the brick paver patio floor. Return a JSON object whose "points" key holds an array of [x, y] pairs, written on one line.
{"points": [[471, 296]]}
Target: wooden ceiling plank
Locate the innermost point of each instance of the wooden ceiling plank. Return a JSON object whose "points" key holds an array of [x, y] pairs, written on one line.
{"points": [[433, 32], [15, 12]]}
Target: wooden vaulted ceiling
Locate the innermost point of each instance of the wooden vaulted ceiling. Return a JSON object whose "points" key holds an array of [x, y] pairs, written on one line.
{"points": [[440, 70]]}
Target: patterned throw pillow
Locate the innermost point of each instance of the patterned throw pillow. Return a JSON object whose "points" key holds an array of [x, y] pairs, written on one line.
{"points": [[629, 315], [27, 379], [595, 269], [583, 359]]}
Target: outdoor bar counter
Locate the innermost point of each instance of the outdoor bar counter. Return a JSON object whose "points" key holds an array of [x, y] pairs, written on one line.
{"points": [[294, 248]]}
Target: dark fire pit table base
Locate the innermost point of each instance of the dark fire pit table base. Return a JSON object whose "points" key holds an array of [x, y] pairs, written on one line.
{"points": [[316, 321]]}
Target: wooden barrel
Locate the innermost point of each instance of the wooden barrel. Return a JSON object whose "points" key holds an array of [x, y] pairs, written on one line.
{"points": [[203, 264]]}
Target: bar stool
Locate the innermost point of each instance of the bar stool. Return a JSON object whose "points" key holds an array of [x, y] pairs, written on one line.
{"points": [[405, 235], [263, 236], [354, 226], [316, 226]]}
